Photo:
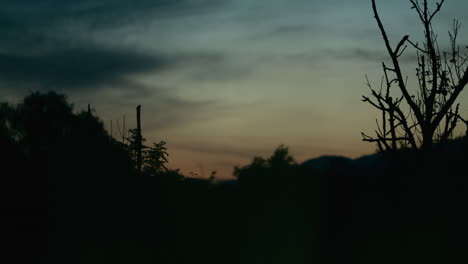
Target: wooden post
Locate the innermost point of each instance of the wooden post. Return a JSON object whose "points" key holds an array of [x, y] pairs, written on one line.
{"points": [[139, 139]]}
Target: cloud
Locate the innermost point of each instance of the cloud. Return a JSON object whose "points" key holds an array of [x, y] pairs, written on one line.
{"points": [[366, 55], [359, 54], [93, 67], [283, 31], [77, 68], [291, 29], [172, 112], [27, 24], [161, 108], [56, 44], [214, 67], [100, 12]]}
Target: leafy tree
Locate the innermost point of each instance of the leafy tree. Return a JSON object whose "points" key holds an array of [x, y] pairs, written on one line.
{"points": [[420, 117], [277, 163], [47, 132], [281, 158], [154, 158]]}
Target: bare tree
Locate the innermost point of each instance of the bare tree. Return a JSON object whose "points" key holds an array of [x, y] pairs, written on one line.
{"points": [[417, 118]]}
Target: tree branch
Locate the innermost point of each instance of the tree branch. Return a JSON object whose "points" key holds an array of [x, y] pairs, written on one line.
{"points": [[396, 64], [439, 6], [458, 88]]}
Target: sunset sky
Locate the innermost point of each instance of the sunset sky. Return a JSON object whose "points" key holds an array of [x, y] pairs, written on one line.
{"points": [[220, 81]]}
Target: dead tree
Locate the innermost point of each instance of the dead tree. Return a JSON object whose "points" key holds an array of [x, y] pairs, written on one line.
{"points": [[419, 117]]}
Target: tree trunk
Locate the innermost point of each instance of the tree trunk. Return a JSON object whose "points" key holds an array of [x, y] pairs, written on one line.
{"points": [[392, 131], [427, 143]]}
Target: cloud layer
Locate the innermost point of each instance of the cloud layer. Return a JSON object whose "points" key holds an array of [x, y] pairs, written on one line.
{"points": [[251, 73]]}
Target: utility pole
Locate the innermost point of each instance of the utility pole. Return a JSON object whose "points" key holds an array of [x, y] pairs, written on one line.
{"points": [[139, 139]]}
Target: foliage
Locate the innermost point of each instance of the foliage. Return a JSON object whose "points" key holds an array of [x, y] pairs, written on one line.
{"points": [[154, 158], [280, 160]]}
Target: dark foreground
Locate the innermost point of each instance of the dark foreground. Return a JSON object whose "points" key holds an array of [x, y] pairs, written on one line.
{"points": [[70, 194], [303, 217]]}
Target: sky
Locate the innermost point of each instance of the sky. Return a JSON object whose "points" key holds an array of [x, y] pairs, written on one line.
{"points": [[221, 81]]}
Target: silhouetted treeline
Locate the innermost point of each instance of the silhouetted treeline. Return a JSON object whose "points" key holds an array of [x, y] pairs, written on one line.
{"points": [[70, 193]]}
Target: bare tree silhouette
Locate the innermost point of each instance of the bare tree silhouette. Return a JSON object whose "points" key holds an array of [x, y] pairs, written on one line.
{"points": [[419, 118]]}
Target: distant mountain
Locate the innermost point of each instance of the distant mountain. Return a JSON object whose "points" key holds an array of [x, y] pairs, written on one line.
{"points": [[373, 161], [328, 162]]}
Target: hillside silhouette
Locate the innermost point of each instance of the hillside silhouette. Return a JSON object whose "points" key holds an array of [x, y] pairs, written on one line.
{"points": [[71, 193]]}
